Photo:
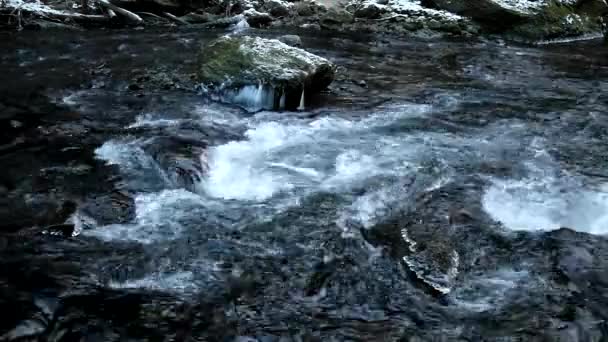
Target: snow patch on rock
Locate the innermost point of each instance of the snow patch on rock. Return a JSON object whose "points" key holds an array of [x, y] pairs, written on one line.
{"points": [[30, 6], [406, 7]]}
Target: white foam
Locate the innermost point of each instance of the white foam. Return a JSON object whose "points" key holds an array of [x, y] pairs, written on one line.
{"points": [[73, 98], [287, 154], [128, 154], [156, 217], [148, 120], [236, 169], [351, 166], [547, 203], [489, 291], [178, 282], [368, 209]]}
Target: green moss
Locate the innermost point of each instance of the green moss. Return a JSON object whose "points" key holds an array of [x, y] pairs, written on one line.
{"points": [[555, 11], [222, 58]]}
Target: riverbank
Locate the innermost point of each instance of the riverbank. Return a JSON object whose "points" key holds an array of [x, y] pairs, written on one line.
{"points": [[516, 20]]}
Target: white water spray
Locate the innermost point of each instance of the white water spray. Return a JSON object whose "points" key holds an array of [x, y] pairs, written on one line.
{"points": [[253, 98]]}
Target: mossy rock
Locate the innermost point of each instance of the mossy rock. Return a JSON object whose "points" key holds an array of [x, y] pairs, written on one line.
{"points": [[485, 11], [234, 62], [556, 20]]}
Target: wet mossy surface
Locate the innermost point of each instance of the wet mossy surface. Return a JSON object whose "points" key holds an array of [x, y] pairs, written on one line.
{"points": [[557, 20]]}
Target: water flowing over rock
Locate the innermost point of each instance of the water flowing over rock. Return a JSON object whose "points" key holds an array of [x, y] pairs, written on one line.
{"points": [[262, 73]]}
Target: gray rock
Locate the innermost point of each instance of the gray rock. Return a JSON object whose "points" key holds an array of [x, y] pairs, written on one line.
{"points": [[592, 7], [279, 71], [538, 20], [278, 8], [306, 9], [336, 18], [291, 40], [370, 11], [257, 19], [485, 10]]}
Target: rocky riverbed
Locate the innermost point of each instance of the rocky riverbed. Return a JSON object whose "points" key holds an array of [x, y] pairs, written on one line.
{"points": [[522, 20], [439, 189]]}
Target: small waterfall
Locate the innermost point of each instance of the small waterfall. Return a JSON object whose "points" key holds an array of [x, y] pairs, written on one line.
{"points": [[253, 98], [282, 101], [302, 107], [241, 25]]}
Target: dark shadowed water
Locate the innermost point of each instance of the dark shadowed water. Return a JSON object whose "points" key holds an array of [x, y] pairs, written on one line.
{"points": [[460, 194]]}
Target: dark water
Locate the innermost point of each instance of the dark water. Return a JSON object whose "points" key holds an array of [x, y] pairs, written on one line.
{"points": [[462, 194]]}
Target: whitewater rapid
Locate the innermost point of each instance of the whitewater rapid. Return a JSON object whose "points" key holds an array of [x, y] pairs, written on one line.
{"points": [[376, 164], [283, 158]]}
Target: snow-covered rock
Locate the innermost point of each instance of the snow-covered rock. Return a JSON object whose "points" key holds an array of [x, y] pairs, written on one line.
{"points": [[530, 19], [257, 19], [491, 10], [291, 40], [278, 8], [274, 73], [29, 6]]}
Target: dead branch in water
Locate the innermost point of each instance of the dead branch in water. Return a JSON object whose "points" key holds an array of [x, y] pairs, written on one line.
{"points": [[128, 14], [176, 19], [110, 13]]}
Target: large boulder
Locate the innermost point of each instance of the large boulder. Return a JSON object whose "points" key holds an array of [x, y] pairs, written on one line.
{"points": [[336, 19], [560, 19], [262, 73], [500, 12], [592, 7], [278, 8], [534, 20], [257, 19]]}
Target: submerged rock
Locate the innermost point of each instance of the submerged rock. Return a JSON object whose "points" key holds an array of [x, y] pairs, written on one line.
{"points": [[291, 40], [263, 73]]}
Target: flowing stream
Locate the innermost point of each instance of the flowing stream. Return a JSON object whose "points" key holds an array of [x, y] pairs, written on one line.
{"points": [[427, 204]]}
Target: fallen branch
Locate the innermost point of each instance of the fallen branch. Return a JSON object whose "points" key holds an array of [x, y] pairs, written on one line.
{"points": [[110, 12], [175, 19], [385, 18], [74, 16], [128, 14], [151, 15]]}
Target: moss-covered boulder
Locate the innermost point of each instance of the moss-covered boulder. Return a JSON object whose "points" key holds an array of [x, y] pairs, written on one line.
{"points": [[559, 19], [262, 73], [500, 12], [531, 20]]}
